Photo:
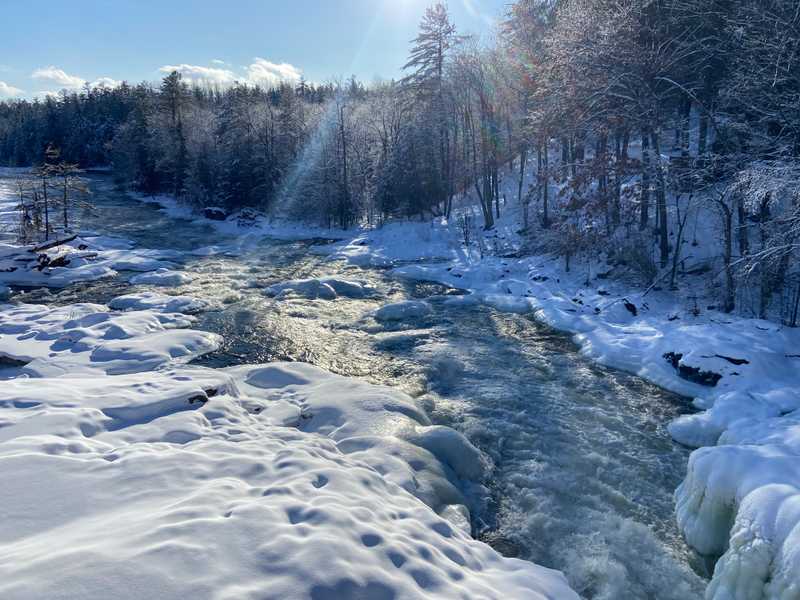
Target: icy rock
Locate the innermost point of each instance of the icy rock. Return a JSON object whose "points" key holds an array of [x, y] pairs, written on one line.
{"points": [[161, 302], [215, 213], [161, 277], [402, 311], [326, 288]]}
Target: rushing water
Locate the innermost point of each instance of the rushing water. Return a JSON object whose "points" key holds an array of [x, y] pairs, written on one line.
{"points": [[584, 469]]}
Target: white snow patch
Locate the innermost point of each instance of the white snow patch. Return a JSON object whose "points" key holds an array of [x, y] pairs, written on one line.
{"points": [[162, 277], [160, 302]]}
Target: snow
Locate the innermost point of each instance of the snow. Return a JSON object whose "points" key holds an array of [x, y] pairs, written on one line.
{"points": [[402, 311], [162, 277], [160, 302], [211, 499], [86, 259], [88, 337]]}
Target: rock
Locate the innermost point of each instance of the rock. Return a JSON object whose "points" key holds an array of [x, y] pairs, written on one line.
{"points": [[693, 374], [215, 213], [400, 311], [327, 288]]}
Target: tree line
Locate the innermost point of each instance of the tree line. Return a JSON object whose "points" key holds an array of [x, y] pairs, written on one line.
{"points": [[618, 128]]}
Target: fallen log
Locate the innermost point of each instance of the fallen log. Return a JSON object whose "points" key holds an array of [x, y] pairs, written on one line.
{"points": [[53, 244]]}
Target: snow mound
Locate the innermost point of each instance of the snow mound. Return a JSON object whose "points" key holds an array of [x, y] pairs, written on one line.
{"points": [[162, 277], [402, 311], [63, 340], [383, 427], [397, 242], [160, 302], [81, 259], [202, 482], [325, 288]]}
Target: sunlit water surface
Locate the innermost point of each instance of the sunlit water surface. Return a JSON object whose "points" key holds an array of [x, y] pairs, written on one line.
{"points": [[584, 469]]}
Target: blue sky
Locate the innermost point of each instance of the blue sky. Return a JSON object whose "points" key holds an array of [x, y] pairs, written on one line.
{"points": [[49, 45]]}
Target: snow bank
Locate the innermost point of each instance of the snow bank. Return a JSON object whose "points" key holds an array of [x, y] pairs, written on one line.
{"points": [[215, 501], [326, 288], [83, 259], [162, 277], [396, 243], [268, 481], [89, 337], [741, 500]]}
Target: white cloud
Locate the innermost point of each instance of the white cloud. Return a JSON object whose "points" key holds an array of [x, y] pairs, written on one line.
{"points": [[106, 82], [198, 74], [59, 77], [217, 61], [260, 72], [47, 94], [8, 91], [268, 74]]}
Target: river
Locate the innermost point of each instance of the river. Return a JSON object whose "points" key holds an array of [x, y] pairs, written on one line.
{"points": [[584, 469]]}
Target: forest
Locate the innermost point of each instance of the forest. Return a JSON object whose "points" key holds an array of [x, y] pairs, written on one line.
{"points": [[629, 129]]}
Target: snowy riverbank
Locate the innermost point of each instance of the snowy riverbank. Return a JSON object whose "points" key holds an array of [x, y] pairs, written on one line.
{"points": [[128, 472]]}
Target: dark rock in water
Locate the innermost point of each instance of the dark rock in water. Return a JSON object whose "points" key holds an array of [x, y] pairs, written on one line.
{"points": [[7, 361], [502, 544], [630, 306], [214, 213], [539, 278], [734, 361], [247, 217], [693, 374]]}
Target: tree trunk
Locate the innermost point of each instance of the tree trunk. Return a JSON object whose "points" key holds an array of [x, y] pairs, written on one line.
{"points": [[730, 291], [702, 134], [644, 201], [661, 203], [545, 185]]}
